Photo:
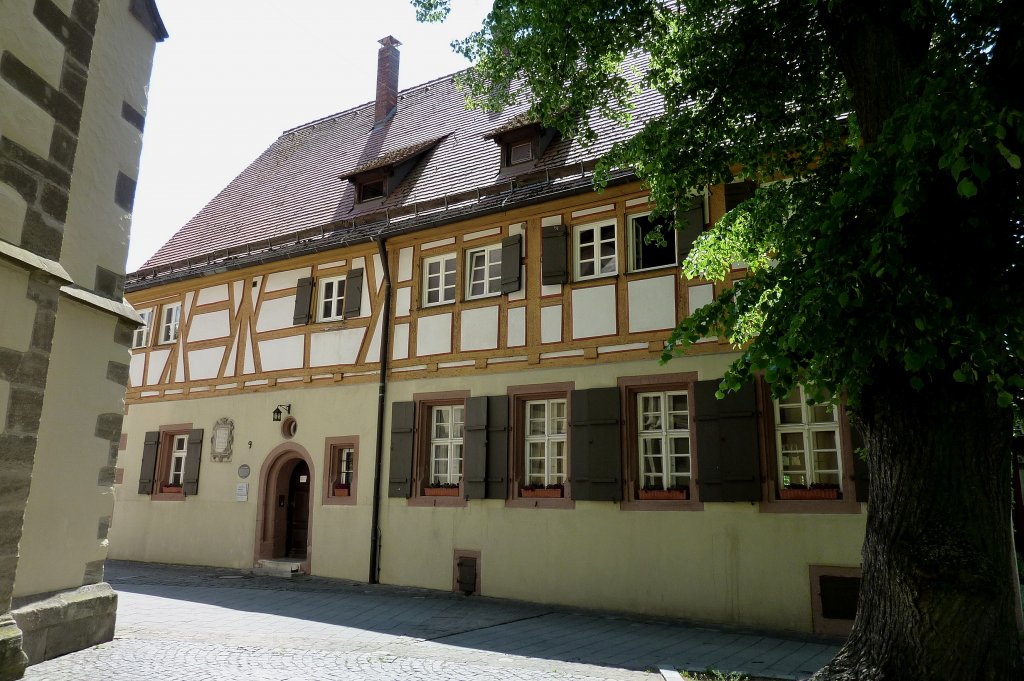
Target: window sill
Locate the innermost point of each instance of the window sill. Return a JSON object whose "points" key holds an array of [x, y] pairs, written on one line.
{"points": [[661, 505], [488, 296], [431, 306], [653, 270], [167, 496], [813, 506], [526, 502], [595, 279], [341, 498]]}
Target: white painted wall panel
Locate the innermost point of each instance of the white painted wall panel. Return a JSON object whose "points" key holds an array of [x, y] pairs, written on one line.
{"points": [[373, 352], [157, 362], [521, 293], [652, 304], [400, 349], [229, 368], [551, 324], [479, 329], [434, 334], [516, 327], [403, 301], [332, 347], [276, 314], [593, 311], [282, 353], [700, 295], [249, 361], [136, 366], [179, 363], [210, 325], [277, 281], [204, 363], [405, 264], [213, 294], [239, 289], [378, 272]]}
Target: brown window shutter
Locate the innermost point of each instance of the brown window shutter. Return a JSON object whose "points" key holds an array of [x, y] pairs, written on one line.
{"points": [[403, 426], [193, 457], [861, 476], [690, 224], [466, 574], [474, 471], [738, 192], [554, 255], [353, 293], [497, 447], [511, 256], [728, 461], [150, 450], [596, 462], [303, 297]]}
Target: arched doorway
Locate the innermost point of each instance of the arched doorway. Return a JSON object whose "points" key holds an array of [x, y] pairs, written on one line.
{"points": [[285, 500]]}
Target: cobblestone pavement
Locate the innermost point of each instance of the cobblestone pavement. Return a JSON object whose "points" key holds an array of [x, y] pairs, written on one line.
{"points": [[193, 624]]}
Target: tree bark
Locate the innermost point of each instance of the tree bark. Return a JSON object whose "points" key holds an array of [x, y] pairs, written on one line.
{"points": [[936, 598]]}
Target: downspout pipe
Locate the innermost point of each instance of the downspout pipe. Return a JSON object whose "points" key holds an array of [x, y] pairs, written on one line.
{"points": [[382, 384]]}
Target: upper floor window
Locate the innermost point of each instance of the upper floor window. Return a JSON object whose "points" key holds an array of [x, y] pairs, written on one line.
{"points": [[545, 444], [169, 318], [140, 338], [370, 189], [332, 299], [647, 251], [808, 447], [179, 450], [594, 250], [519, 152], [663, 440], [446, 440], [439, 279], [484, 272]]}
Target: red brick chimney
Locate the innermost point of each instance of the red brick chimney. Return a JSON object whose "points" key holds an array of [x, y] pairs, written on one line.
{"points": [[387, 79]]}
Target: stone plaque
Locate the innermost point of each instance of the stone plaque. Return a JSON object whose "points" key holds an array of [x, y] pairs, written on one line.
{"points": [[243, 471], [222, 439]]}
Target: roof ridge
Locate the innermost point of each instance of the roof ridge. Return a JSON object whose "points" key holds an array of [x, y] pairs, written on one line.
{"points": [[401, 93]]}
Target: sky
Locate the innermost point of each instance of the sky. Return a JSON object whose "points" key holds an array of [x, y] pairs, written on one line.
{"points": [[235, 74]]}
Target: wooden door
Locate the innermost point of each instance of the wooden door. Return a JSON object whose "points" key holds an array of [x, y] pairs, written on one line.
{"points": [[298, 511]]}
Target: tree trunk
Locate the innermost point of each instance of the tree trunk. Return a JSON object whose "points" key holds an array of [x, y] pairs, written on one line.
{"points": [[937, 598]]}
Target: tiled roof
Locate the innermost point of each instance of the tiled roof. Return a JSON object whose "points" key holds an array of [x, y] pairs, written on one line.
{"points": [[294, 190]]}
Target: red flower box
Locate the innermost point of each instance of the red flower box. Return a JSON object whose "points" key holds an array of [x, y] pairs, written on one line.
{"points": [[170, 489], [541, 492], [341, 491], [440, 491], [664, 494], [806, 494]]}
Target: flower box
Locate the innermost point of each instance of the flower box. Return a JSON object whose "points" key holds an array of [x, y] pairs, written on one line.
{"points": [[170, 489], [808, 494], [541, 492], [441, 491], [664, 494], [341, 491]]}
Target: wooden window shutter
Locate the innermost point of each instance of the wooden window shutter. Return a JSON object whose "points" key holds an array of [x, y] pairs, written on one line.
{"points": [[497, 447], [150, 450], [690, 224], [353, 293], [303, 297], [474, 480], [193, 457], [861, 477], [596, 462], [738, 192], [728, 460], [511, 256], [554, 252], [403, 427]]}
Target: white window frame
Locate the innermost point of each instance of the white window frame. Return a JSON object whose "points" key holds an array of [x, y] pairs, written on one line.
{"points": [[443, 291], [492, 284], [336, 302], [550, 438], [140, 338], [670, 477], [179, 451], [669, 233], [170, 320], [807, 429], [447, 448], [577, 246], [344, 464]]}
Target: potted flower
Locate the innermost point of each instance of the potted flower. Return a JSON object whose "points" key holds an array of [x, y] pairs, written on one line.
{"points": [[441, 489], [342, 489], [817, 490], [554, 491], [679, 493]]}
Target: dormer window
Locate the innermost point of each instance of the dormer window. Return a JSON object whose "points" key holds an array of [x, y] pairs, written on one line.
{"points": [[371, 189], [520, 152]]}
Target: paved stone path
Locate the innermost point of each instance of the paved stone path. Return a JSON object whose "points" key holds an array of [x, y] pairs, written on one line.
{"points": [[196, 624]]}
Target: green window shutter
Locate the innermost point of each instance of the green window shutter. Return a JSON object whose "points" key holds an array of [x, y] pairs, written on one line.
{"points": [[303, 297], [738, 192], [403, 427], [728, 460], [511, 256], [193, 457], [596, 462], [353, 293], [497, 447], [690, 224], [150, 450], [861, 476], [554, 254], [474, 464]]}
